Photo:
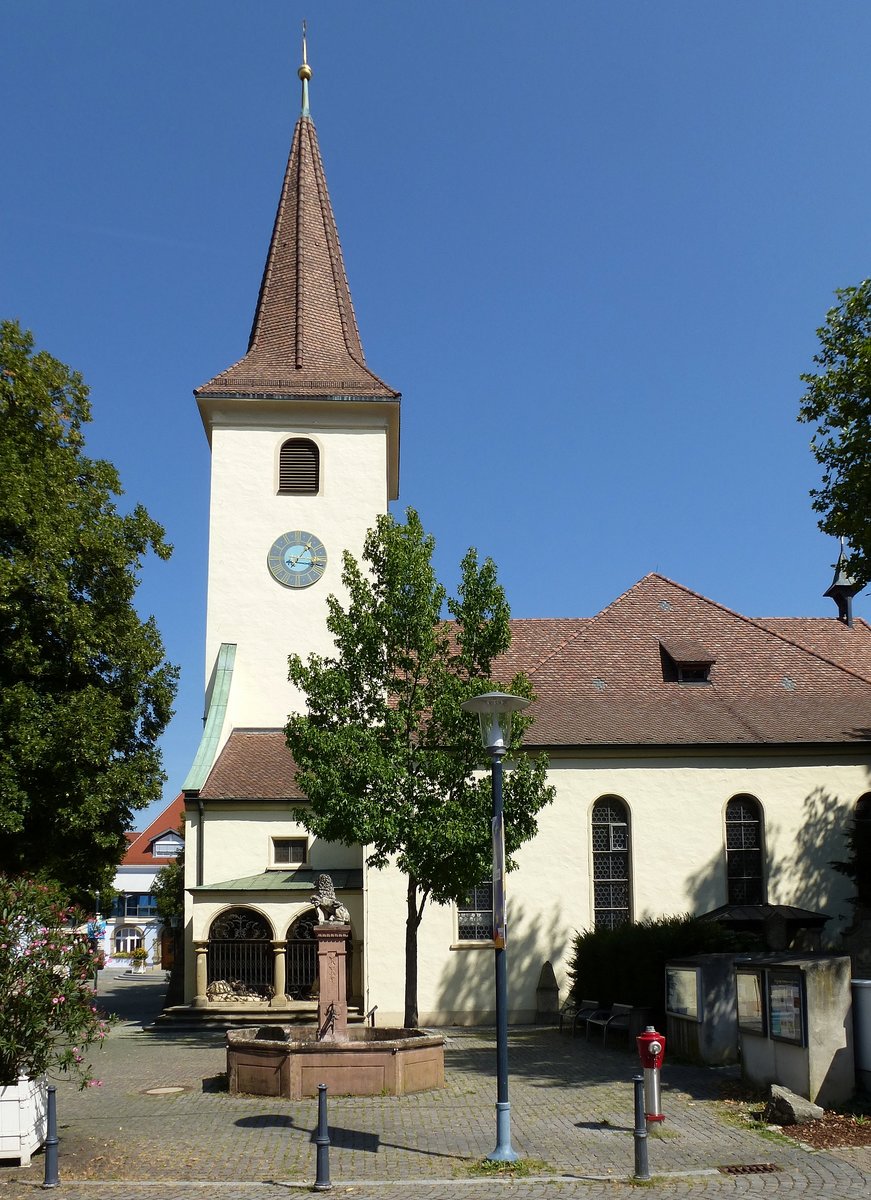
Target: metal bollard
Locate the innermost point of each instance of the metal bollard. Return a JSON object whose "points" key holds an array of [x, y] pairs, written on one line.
{"points": [[642, 1169], [52, 1178], [322, 1141]]}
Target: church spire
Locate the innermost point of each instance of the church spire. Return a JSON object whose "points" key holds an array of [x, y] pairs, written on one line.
{"points": [[304, 340]]}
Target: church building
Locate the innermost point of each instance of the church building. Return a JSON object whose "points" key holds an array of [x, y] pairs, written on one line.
{"points": [[702, 760]]}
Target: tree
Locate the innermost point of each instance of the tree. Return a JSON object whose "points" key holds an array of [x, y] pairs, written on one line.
{"points": [[385, 756], [838, 400], [85, 691], [168, 891]]}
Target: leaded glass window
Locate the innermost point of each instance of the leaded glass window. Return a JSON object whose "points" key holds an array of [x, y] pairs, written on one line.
{"points": [[475, 915], [611, 865], [744, 883]]}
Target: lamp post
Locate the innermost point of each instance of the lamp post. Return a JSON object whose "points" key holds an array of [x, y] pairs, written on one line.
{"points": [[494, 710]]}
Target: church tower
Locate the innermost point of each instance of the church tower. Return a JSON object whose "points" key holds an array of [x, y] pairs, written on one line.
{"points": [[305, 456]]}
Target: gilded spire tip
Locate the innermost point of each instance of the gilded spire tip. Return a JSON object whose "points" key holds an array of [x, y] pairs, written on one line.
{"points": [[305, 73]]}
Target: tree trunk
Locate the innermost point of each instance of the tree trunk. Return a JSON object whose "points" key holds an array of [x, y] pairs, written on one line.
{"points": [[412, 921]]}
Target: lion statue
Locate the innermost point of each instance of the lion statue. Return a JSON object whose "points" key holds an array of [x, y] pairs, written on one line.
{"points": [[330, 910]]}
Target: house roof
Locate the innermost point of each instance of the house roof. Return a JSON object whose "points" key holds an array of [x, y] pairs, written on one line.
{"points": [[255, 764], [304, 340], [139, 850], [599, 681]]}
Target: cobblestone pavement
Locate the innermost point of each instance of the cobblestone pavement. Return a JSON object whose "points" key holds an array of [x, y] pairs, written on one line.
{"points": [[571, 1112]]}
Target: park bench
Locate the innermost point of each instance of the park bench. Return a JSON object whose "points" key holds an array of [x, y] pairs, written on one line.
{"points": [[574, 1014], [610, 1020]]}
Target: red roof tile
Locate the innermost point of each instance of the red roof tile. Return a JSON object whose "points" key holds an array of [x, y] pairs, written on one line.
{"points": [[255, 764], [599, 681], [169, 821]]}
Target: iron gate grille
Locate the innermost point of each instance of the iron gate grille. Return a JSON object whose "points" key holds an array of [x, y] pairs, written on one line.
{"points": [[301, 968], [249, 962]]}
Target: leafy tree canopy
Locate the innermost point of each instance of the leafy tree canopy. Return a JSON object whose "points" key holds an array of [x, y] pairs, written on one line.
{"points": [[85, 691], [838, 401], [385, 755]]}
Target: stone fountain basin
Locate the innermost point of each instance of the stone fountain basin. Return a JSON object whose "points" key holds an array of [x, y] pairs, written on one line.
{"points": [[289, 1061]]}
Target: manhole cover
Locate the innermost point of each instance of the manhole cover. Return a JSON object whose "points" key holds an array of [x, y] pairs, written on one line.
{"points": [[163, 1091], [750, 1169]]}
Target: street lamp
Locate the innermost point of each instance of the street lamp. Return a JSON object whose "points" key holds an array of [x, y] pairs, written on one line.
{"points": [[494, 710]]}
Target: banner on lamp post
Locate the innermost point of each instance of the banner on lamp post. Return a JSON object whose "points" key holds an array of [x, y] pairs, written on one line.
{"points": [[499, 929]]}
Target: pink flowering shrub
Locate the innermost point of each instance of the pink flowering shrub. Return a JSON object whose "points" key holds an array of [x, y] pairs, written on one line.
{"points": [[48, 1017]]}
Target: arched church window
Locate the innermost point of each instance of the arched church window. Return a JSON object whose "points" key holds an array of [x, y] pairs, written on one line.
{"points": [[611, 866], [299, 468], [859, 840], [744, 879]]}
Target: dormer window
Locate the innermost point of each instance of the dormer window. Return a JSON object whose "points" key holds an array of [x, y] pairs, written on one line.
{"points": [[168, 845], [685, 661]]}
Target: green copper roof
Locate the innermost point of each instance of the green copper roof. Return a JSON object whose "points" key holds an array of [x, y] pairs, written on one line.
{"points": [[218, 696], [287, 881]]}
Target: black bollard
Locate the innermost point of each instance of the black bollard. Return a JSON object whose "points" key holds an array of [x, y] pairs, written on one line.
{"points": [[642, 1169], [322, 1141], [52, 1179]]}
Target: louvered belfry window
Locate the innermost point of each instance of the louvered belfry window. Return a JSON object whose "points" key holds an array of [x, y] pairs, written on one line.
{"points": [[611, 879], [744, 882], [299, 468]]}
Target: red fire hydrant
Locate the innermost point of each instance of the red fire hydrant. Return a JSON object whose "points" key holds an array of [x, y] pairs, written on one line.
{"points": [[651, 1050]]}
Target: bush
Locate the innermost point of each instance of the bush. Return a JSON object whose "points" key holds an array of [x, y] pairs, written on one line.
{"points": [[48, 1014], [626, 965]]}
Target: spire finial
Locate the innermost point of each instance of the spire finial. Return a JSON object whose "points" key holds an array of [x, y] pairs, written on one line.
{"points": [[843, 588], [305, 74]]}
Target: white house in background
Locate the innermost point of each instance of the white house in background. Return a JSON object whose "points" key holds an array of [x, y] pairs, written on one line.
{"points": [[701, 759], [133, 921]]}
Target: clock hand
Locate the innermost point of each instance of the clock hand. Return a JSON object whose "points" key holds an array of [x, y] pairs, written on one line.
{"points": [[304, 550]]}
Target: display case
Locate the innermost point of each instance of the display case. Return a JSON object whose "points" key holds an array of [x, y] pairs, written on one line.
{"points": [[683, 992]]}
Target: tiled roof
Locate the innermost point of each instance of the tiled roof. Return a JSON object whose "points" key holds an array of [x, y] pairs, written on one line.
{"points": [[139, 850], [849, 647], [606, 686], [304, 340], [255, 764], [599, 681]]}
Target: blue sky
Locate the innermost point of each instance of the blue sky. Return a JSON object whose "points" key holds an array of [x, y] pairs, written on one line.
{"points": [[590, 242]]}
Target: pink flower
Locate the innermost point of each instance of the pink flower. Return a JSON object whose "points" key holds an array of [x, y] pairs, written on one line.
{"points": [[95, 1083]]}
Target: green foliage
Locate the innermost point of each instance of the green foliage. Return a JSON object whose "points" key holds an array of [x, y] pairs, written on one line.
{"points": [[84, 688], [48, 1017], [857, 865], [626, 965], [385, 755], [838, 402]]}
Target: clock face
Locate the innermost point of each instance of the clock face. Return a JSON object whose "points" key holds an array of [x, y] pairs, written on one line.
{"points": [[297, 559]]}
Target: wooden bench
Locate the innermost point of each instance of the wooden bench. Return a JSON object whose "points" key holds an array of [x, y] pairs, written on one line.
{"points": [[610, 1020], [576, 1013]]}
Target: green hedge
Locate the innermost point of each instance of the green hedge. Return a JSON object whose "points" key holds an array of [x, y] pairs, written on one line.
{"points": [[626, 965]]}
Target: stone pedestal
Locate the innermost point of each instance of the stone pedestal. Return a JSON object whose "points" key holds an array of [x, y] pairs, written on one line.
{"points": [[332, 942]]}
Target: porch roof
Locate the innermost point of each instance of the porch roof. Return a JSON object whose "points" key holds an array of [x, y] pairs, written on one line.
{"points": [[344, 880]]}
